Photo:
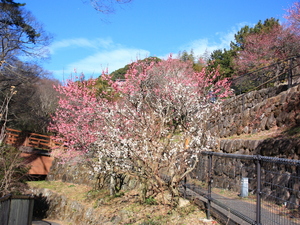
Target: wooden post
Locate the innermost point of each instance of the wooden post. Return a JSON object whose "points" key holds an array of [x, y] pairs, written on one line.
{"points": [[290, 73]]}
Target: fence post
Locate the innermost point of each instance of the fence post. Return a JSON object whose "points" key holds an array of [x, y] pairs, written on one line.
{"points": [[243, 104], [209, 186], [290, 74], [258, 191]]}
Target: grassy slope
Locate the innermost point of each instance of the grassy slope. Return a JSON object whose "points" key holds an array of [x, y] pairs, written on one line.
{"points": [[276, 132], [126, 204]]}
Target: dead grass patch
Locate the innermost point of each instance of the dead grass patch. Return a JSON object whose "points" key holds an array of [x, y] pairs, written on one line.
{"points": [[124, 208]]}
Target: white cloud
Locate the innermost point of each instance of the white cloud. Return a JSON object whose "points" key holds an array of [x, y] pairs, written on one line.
{"points": [[106, 54], [82, 43], [201, 46], [112, 60], [205, 45], [93, 65]]}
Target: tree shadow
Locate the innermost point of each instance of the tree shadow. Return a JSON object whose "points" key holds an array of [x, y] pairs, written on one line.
{"points": [[40, 208]]}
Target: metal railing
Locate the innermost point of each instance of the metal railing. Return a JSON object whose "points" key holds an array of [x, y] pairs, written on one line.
{"points": [[268, 76], [32, 140], [248, 189]]}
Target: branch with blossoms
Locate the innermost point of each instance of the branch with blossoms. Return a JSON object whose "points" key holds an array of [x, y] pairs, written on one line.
{"points": [[158, 125], [293, 17], [155, 129], [75, 121], [270, 46]]}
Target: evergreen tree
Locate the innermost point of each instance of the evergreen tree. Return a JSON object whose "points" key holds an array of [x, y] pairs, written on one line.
{"points": [[12, 15], [222, 59], [240, 36], [198, 63]]}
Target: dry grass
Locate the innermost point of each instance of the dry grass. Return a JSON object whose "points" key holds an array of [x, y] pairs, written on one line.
{"points": [[126, 206], [275, 132]]}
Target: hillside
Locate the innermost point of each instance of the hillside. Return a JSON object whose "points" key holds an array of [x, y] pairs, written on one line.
{"points": [[79, 204]]}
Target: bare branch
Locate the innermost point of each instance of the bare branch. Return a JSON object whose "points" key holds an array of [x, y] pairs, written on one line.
{"points": [[107, 6]]}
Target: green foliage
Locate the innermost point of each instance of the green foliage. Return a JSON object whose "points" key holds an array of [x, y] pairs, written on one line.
{"points": [[103, 87], [12, 3], [149, 60], [150, 201], [222, 59], [239, 37], [185, 56], [120, 73]]}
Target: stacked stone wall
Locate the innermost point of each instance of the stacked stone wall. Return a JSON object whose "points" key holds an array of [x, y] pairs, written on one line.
{"points": [[258, 111], [251, 113], [51, 205]]}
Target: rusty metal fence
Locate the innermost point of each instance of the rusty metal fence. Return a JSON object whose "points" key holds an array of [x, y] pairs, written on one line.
{"points": [[247, 189]]}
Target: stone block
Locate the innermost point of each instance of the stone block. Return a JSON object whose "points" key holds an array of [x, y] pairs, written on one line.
{"points": [[183, 202], [263, 123], [271, 121], [293, 202]]}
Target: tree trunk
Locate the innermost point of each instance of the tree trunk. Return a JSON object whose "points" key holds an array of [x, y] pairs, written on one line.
{"points": [[112, 186], [174, 187], [143, 189]]}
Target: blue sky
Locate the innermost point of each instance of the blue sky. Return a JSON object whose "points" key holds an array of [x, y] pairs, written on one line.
{"points": [[90, 42]]}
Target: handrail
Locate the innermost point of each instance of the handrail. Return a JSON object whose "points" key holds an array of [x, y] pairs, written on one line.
{"points": [[33, 140], [265, 79]]}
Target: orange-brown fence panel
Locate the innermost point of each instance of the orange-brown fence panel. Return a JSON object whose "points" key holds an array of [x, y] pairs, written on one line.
{"points": [[33, 140], [12, 136]]}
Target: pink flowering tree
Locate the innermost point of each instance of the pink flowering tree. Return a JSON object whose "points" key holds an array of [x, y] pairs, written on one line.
{"points": [[76, 119], [156, 128], [77, 122], [267, 47], [272, 45], [293, 17]]}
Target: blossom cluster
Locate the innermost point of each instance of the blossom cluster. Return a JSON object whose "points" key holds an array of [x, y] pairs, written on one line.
{"points": [[156, 127]]}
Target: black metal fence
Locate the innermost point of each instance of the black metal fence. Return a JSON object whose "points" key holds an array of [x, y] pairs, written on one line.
{"points": [[268, 76], [248, 189], [16, 210]]}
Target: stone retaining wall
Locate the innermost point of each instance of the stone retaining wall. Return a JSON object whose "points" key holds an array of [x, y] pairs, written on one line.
{"points": [[248, 114], [58, 207], [258, 111], [76, 171]]}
